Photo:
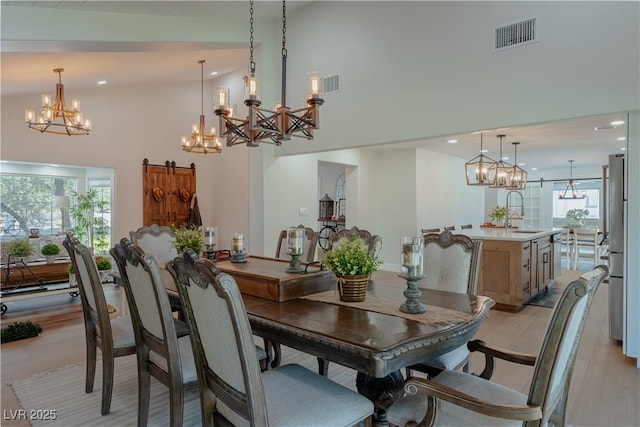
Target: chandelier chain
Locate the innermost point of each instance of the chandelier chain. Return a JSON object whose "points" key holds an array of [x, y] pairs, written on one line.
{"points": [[252, 64], [284, 28]]}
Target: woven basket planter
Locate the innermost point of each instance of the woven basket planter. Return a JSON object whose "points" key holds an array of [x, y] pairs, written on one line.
{"points": [[353, 288]]}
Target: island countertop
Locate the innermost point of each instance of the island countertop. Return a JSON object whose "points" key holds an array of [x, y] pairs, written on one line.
{"points": [[511, 234]]}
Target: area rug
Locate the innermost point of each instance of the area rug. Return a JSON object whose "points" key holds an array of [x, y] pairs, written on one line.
{"points": [[61, 391], [547, 299]]}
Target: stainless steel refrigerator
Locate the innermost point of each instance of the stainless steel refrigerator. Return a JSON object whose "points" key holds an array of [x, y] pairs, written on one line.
{"points": [[616, 219]]}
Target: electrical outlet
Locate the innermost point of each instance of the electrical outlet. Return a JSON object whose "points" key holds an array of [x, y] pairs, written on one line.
{"points": [[303, 212]]}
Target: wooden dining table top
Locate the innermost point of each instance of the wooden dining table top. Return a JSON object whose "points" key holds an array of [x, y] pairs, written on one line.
{"points": [[363, 338]]}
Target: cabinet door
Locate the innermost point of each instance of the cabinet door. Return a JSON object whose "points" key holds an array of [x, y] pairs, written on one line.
{"points": [[184, 187], [157, 195], [544, 265]]}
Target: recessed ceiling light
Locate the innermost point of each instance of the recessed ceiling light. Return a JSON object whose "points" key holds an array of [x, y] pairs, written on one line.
{"points": [[622, 138], [522, 164], [484, 150], [54, 165], [505, 158], [214, 73], [452, 141], [617, 123], [102, 82], [623, 148], [534, 169]]}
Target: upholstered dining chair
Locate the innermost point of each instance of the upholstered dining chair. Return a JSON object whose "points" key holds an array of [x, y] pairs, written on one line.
{"points": [[372, 240], [114, 337], [451, 263], [457, 398], [232, 388], [157, 240], [160, 353], [310, 245]]}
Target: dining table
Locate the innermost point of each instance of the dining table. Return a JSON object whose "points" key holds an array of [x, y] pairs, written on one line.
{"points": [[372, 337]]}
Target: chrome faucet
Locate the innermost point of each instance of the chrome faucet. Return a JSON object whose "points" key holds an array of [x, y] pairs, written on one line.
{"points": [[508, 223]]}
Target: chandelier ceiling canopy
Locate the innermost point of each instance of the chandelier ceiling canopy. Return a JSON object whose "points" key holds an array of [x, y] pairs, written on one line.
{"points": [[201, 142], [263, 125], [56, 117], [571, 192]]}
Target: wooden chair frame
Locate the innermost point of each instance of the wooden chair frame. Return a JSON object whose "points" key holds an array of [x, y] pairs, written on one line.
{"points": [[97, 323]]}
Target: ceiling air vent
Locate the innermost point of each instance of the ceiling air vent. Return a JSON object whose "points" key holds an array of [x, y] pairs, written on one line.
{"points": [[331, 84], [520, 33]]}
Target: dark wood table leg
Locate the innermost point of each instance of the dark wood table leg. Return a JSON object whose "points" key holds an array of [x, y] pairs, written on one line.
{"points": [[382, 392]]}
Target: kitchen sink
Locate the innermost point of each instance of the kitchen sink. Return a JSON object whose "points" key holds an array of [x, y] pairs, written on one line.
{"points": [[527, 231]]}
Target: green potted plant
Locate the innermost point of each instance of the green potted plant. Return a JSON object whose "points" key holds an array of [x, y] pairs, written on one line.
{"points": [[19, 249], [104, 268], [187, 238], [50, 250], [90, 229], [353, 263], [498, 215]]}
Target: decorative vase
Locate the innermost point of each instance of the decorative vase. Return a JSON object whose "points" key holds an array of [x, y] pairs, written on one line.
{"points": [[353, 288]]}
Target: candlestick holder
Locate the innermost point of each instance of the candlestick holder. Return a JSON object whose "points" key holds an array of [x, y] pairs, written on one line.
{"points": [[412, 305], [412, 253], [238, 256], [295, 265]]}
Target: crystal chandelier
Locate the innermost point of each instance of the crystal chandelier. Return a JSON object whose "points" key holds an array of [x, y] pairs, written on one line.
{"points": [[519, 175], [201, 142], [263, 125], [571, 192], [478, 168], [502, 171], [56, 117]]}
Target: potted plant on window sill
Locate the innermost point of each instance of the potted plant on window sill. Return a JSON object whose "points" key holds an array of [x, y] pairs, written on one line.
{"points": [[19, 250], [50, 250], [353, 263]]}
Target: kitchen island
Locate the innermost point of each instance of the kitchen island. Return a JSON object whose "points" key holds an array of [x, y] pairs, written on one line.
{"points": [[516, 264]]}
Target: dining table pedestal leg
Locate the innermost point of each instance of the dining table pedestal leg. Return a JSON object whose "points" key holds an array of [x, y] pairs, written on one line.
{"points": [[382, 392]]}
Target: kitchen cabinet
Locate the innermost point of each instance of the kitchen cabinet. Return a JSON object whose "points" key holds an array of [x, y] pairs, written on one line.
{"points": [[167, 193], [515, 264]]}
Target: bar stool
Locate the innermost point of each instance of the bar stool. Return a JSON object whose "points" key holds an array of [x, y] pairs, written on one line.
{"points": [[586, 246]]}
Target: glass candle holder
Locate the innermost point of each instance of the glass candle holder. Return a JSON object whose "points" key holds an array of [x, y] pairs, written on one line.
{"points": [[295, 240], [210, 238], [412, 253]]}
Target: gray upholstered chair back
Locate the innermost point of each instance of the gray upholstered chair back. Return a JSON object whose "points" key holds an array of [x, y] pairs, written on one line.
{"points": [[451, 262], [310, 245], [554, 365], [155, 240], [148, 300], [374, 241], [225, 354]]}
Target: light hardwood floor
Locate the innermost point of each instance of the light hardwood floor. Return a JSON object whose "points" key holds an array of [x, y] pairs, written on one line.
{"points": [[605, 386]]}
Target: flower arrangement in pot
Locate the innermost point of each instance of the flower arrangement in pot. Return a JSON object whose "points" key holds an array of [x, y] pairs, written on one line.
{"points": [[187, 238], [104, 268], [498, 214], [50, 250], [575, 216], [19, 249], [353, 262]]}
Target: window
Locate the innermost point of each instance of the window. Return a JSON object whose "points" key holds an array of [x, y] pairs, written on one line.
{"points": [[591, 202], [29, 201]]}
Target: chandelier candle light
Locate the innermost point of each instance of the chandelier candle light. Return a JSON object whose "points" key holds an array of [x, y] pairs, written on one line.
{"points": [[201, 142], [412, 254], [571, 189], [56, 117], [502, 171], [481, 169], [295, 244], [238, 253], [263, 125]]}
